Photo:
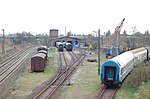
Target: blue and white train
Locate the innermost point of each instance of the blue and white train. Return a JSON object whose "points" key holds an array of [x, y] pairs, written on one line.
{"points": [[114, 70], [60, 46], [69, 47]]}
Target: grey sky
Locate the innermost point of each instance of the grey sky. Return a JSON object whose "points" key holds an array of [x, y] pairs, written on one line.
{"points": [[79, 16]]}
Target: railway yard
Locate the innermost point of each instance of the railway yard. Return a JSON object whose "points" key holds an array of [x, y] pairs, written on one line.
{"points": [[67, 75], [56, 49]]}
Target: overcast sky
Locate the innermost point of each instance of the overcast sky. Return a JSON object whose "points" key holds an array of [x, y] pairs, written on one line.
{"points": [[79, 16]]}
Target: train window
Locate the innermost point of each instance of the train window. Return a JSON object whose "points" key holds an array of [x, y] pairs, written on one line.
{"points": [[110, 70]]}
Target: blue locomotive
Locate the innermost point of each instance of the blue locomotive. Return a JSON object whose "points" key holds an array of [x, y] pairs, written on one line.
{"points": [[114, 70], [69, 47], [112, 52], [60, 46]]}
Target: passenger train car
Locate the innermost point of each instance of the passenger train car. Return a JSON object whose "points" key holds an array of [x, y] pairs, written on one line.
{"points": [[114, 70]]}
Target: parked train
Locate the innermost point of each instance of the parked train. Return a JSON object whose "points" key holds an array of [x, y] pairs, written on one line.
{"points": [[69, 47], [39, 60], [42, 48], [112, 52], [114, 70], [60, 46]]}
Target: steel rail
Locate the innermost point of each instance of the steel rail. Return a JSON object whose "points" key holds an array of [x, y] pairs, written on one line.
{"points": [[5, 74], [69, 70]]}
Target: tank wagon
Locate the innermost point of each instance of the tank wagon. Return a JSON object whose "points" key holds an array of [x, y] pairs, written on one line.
{"points": [[38, 62], [69, 47], [42, 48], [114, 70]]}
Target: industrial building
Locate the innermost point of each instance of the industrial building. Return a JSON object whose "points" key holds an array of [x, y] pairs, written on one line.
{"points": [[76, 41]]}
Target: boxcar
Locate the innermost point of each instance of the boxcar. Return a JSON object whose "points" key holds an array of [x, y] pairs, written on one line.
{"points": [[42, 48], [43, 51], [38, 62]]}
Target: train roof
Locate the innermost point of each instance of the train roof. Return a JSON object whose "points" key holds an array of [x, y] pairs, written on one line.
{"points": [[134, 51], [39, 55], [42, 47], [138, 51], [59, 43], [43, 51], [121, 60]]}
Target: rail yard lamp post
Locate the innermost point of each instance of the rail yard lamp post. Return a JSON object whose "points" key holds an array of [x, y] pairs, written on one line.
{"points": [[3, 43], [98, 51]]}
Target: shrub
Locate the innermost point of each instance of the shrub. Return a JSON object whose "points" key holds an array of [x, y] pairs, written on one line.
{"points": [[140, 74]]}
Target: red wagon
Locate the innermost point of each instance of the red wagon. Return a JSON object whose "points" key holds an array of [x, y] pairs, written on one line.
{"points": [[38, 62]]}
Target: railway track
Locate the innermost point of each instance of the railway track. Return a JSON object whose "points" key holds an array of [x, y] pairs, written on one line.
{"points": [[12, 67], [107, 92], [50, 90], [4, 63], [73, 56]]}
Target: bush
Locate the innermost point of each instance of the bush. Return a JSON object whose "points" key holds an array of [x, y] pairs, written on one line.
{"points": [[140, 74]]}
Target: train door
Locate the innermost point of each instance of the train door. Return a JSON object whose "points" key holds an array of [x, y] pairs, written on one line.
{"points": [[110, 73]]}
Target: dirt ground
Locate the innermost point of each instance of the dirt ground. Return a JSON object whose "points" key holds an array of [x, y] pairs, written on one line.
{"points": [[84, 82]]}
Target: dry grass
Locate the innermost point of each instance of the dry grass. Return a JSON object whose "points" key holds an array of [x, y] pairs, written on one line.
{"points": [[28, 80], [85, 81]]}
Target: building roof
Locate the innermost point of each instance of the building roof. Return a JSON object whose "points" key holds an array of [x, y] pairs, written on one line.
{"points": [[74, 37], [53, 29]]}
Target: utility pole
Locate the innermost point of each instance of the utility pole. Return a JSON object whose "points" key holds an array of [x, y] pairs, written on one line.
{"points": [[99, 52], [65, 30], [46, 40], [3, 43]]}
